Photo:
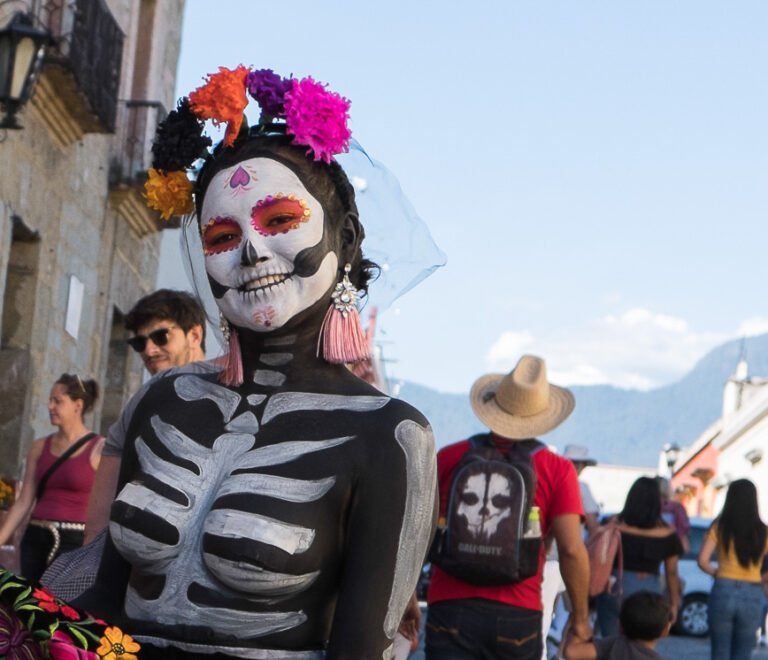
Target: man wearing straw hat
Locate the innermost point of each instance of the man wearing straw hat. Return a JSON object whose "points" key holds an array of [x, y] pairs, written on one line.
{"points": [[468, 621]]}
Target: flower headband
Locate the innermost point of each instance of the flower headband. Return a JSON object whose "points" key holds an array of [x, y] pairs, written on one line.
{"points": [[314, 116]]}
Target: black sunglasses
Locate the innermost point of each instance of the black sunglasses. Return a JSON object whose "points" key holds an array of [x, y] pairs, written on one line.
{"points": [[159, 337]]}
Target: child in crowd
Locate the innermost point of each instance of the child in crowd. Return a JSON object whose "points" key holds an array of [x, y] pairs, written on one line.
{"points": [[645, 617]]}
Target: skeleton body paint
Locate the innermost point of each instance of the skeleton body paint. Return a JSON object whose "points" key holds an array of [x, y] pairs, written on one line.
{"points": [[282, 507], [287, 517], [233, 517]]}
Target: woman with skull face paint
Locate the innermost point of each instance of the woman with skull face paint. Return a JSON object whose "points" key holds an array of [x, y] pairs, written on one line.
{"points": [[283, 507]]}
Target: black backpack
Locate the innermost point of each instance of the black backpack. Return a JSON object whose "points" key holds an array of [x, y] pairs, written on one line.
{"points": [[487, 539]]}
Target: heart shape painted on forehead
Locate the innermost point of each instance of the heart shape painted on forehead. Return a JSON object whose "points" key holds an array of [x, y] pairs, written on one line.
{"points": [[239, 178]]}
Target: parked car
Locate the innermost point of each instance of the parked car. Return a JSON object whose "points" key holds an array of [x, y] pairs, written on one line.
{"points": [[692, 617]]}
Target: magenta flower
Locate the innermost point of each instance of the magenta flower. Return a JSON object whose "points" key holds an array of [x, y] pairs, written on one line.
{"points": [[317, 118], [62, 647], [269, 91], [16, 642]]}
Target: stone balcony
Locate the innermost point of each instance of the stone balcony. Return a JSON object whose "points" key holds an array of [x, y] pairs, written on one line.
{"points": [[78, 86]]}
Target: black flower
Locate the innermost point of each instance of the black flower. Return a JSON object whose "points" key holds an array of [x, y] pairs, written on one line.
{"points": [[179, 140]]}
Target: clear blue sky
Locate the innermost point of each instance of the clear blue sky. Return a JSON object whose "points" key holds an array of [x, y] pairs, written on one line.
{"points": [[596, 172]]}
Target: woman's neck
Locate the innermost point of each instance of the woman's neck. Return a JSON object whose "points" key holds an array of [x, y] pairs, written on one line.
{"points": [[72, 431], [288, 351]]}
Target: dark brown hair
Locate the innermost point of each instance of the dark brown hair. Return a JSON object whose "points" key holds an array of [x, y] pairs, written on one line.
{"points": [[739, 527], [642, 508], [76, 388], [644, 615], [181, 307]]}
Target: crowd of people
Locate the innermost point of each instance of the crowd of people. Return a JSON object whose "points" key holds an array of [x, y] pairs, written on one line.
{"points": [[271, 504]]}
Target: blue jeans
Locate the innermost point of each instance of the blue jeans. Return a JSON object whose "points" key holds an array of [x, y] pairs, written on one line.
{"points": [[608, 605], [734, 617], [478, 629]]}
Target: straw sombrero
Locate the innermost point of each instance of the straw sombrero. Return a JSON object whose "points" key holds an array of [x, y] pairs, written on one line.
{"points": [[521, 404]]}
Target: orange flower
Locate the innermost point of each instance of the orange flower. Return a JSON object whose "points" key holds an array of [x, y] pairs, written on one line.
{"points": [[222, 99], [116, 645], [170, 193]]}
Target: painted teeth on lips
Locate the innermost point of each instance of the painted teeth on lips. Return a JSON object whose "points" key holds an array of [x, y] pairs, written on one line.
{"points": [[262, 282]]}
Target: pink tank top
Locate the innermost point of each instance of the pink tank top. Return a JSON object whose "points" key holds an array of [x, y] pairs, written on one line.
{"points": [[66, 494]]}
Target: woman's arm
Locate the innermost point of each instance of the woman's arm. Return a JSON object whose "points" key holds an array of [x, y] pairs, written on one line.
{"points": [[409, 625], [705, 556], [23, 505], [96, 453], [673, 583], [390, 523], [101, 496], [574, 569], [577, 649]]}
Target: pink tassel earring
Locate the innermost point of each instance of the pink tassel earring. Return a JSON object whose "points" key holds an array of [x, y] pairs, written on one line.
{"points": [[341, 334], [232, 375]]}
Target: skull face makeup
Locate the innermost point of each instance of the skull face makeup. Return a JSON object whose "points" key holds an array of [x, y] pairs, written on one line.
{"points": [[258, 219], [485, 502]]}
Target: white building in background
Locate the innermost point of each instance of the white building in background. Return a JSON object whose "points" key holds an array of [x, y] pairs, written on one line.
{"points": [[743, 442], [609, 484], [734, 447], [78, 244]]}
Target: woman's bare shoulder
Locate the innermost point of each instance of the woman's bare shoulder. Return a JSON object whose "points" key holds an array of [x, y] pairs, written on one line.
{"points": [[36, 448]]}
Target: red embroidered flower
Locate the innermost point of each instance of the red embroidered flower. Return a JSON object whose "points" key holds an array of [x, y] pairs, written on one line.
{"points": [[49, 603], [47, 600], [70, 612]]}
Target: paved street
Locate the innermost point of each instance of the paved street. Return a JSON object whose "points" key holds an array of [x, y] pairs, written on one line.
{"points": [[673, 648], [690, 648]]}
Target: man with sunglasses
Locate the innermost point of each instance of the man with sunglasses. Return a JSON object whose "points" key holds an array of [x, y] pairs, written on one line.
{"points": [[168, 331]]}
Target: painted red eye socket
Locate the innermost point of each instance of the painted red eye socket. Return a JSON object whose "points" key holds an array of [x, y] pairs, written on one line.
{"points": [[221, 235], [279, 214]]}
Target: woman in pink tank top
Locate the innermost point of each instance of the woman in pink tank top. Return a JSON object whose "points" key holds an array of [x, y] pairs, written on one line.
{"points": [[55, 492]]}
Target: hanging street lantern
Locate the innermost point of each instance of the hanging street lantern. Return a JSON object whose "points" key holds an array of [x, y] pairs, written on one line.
{"points": [[22, 47]]}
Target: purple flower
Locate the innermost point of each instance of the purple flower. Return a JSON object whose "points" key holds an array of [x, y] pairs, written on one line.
{"points": [[317, 118], [269, 91], [15, 640]]}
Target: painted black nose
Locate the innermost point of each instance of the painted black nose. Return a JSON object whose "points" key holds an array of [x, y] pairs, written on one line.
{"points": [[248, 256]]}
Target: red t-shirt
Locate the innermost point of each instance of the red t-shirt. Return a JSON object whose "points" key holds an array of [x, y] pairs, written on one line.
{"points": [[557, 493]]}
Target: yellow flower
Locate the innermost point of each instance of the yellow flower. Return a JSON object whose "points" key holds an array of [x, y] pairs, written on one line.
{"points": [[169, 193], [116, 645]]}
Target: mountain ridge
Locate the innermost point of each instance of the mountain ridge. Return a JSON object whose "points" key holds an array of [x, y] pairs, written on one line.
{"points": [[619, 426]]}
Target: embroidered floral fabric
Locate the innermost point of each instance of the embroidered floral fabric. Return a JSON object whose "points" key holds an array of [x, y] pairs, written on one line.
{"points": [[35, 624]]}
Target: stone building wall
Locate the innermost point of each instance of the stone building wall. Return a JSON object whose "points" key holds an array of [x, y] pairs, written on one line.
{"points": [[64, 214]]}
